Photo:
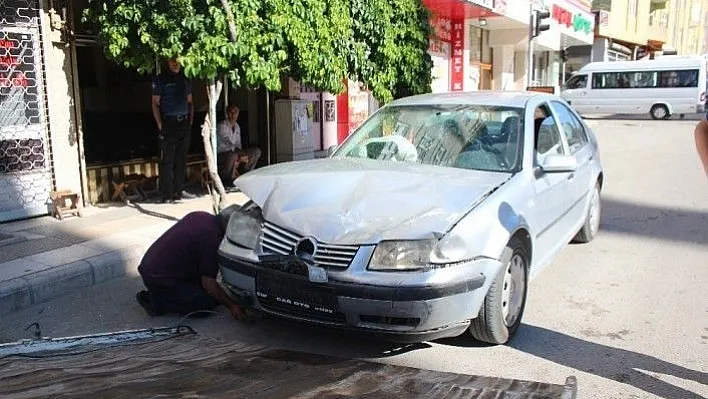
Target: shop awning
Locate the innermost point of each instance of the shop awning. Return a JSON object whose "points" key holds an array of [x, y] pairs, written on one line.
{"points": [[460, 9]]}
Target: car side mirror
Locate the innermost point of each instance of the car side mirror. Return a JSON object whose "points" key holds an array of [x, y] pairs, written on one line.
{"points": [[331, 150], [559, 164]]}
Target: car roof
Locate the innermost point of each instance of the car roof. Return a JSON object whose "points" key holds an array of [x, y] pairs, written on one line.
{"points": [[484, 97]]}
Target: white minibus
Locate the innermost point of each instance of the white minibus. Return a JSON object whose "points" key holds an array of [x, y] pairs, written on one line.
{"points": [[662, 87]]}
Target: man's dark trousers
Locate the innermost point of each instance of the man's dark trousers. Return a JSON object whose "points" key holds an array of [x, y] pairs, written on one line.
{"points": [[181, 297], [176, 136]]}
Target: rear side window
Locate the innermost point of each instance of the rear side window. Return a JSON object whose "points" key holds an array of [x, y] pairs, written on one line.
{"points": [[645, 79], [571, 127]]}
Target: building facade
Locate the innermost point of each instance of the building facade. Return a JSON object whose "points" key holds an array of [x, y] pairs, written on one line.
{"points": [[686, 25], [622, 31], [37, 119]]}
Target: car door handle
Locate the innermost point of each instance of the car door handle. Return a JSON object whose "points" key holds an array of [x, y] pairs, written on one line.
{"points": [[571, 176]]}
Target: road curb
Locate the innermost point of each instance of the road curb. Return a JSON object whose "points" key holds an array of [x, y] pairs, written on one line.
{"points": [[23, 292]]}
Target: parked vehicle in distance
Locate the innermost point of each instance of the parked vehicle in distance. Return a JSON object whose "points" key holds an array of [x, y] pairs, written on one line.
{"points": [[662, 87], [427, 222]]}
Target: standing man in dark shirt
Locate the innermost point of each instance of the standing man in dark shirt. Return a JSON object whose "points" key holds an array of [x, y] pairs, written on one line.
{"points": [[179, 270], [174, 112]]}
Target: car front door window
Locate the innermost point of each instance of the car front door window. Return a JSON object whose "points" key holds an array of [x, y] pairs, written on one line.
{"points": [[571, 126], [548, 136]]}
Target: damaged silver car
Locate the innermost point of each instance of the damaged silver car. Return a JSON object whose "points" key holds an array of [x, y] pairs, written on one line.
{"points": [[427, 222]]}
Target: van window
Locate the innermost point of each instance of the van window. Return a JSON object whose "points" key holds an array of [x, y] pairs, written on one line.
{"points": [[687, 78], [645, 79], [577, 82]]}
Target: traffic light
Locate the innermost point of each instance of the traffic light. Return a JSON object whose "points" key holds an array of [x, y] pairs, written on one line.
{"points": [[538, 25]]}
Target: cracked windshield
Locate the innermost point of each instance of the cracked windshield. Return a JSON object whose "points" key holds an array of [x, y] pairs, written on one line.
{"points": [[467, 137]]}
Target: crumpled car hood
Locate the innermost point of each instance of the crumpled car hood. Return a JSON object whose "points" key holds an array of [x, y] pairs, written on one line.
{"points": [[351, 201]]}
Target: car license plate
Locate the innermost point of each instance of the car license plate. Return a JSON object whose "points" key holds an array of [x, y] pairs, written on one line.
{"points": [[296, 294]]}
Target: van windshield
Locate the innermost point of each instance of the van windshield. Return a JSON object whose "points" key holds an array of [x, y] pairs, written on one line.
{"points": [[577, 82]]}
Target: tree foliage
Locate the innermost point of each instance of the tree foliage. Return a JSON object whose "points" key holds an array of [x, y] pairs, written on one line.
{"points": [[382, 43]]}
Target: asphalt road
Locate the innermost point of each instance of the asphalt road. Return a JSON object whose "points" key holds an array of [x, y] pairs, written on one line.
{"points": [[626, 314]]}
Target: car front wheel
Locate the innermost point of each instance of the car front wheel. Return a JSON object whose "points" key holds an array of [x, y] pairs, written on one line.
{"points": [[500, 315], [592, 220]]}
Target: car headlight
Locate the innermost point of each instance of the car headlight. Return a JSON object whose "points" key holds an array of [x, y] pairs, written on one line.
{"points": [[451, 249], [243, 229], [402, 255]]}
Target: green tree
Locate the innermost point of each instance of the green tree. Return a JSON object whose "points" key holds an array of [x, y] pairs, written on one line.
{"points": [[382, 43], [389, 52]]}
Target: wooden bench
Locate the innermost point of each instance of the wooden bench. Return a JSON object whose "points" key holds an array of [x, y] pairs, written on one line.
{"points": [[133, 184], [65, 202]]}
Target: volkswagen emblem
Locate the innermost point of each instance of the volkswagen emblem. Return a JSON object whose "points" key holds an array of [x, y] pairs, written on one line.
{"points": [[306, 248]]}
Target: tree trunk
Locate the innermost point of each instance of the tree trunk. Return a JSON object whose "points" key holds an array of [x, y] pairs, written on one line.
{"points": [[208, 135], [229, 19]]}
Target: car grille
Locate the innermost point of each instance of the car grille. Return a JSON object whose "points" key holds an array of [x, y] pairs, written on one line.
{"points": [[278, 240]]}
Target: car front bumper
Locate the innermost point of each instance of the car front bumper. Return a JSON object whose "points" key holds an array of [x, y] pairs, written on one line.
{"points": [[407, 310]]}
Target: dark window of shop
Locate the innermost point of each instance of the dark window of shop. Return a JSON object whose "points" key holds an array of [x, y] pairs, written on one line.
{"points": [[645, 79], [480, 52], [481, 56]]}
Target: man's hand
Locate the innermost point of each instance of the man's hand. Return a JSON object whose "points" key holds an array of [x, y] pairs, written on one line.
{"points": [[238, 312]]}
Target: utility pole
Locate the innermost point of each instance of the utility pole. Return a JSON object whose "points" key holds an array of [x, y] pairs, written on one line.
{"points": [[529, 55], [536, 26]]}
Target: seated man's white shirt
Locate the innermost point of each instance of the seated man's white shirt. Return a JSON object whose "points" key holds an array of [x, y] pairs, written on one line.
{"points": [[228, 138]]}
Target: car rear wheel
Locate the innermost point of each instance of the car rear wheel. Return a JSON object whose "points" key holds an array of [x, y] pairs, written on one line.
{"points": [[592, 221], [500, 315]]}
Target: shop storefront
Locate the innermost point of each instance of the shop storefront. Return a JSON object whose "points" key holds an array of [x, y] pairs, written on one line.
{"points": [[571, 32], [478, 45], [460, 47], [26, 173], [576, 25]]}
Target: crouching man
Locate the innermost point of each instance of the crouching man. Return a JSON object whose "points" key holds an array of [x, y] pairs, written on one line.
{"points": [[179, 270]]}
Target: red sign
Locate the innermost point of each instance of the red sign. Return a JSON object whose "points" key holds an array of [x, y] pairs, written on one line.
{"points": [[563, 16], [441, 28], [457, 58]]}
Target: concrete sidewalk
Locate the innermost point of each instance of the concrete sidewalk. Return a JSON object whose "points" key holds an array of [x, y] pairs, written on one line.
{"points": [[44, 258]]}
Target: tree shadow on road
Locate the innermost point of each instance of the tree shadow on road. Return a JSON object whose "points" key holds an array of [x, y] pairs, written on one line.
{"points": [[668, 224], [616, 364]]}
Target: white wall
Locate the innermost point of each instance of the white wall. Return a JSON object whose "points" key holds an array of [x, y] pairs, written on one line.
{"points": [[62, 123], [599, 49], [504, 70]]}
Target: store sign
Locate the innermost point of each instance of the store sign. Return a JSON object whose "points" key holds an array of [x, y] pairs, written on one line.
{"points": [[442, 28], [604, 18], [457, 59], [577, 21]]}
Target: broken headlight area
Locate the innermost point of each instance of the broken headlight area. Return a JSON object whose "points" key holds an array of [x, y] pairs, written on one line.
{"points": [[245, 226]]}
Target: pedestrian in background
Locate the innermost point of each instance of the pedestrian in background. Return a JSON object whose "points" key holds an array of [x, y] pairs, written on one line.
{"points": [[173, 111]]}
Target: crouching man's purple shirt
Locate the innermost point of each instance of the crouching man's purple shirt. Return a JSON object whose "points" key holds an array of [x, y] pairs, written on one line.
{"points": [[185, 252]]}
